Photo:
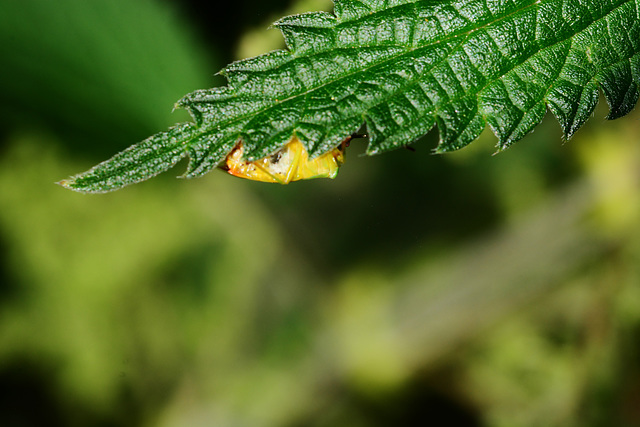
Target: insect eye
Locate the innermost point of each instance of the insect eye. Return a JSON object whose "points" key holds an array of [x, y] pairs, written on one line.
{"points": [[275, 158]]}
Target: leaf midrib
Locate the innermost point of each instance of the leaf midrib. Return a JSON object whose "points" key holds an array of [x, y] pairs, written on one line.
{"points": [[407, 51], [365, 69]]}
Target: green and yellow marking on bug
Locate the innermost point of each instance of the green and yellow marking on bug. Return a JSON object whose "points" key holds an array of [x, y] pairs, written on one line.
{"points": [[291, 163]]}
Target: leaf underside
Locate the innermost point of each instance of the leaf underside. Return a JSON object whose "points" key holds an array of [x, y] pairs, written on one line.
{"points": [[402, 67]]}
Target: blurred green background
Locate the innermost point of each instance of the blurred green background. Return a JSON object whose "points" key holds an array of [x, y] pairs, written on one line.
{"points": [[463, 290]]}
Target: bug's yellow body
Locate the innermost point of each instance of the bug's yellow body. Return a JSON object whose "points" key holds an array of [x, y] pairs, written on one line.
{"points": [[291, 163]]}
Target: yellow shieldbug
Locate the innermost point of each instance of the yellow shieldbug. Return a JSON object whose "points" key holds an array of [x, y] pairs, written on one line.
{"points": [[290, 163]]}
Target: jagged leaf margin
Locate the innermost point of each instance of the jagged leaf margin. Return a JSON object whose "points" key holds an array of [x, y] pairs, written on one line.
{"points": [[401, 67]]}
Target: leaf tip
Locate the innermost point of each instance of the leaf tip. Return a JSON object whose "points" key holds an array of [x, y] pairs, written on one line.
{"points": [[443, 148], [69, 184], [63, 183], [438, 150]]}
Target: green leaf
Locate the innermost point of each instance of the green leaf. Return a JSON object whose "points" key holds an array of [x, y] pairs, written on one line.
{"points": [[401, 67], [142, 161]]}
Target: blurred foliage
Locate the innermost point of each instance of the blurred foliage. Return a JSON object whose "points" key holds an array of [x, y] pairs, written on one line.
{"points": [[256, 41], [99, 71], [465, 289]]}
